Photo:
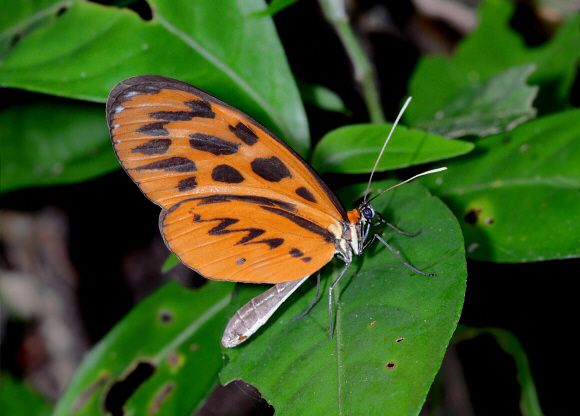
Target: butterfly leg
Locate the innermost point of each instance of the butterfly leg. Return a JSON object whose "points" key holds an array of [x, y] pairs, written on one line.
{"points": [[376, 236], [403, 232], [313, 302], [346, 266]]}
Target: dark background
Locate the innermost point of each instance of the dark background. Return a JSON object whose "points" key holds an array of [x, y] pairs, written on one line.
{"points": [[103, 233]]}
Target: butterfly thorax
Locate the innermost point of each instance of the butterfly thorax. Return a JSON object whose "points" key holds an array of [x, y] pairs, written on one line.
{"points": [[352, 236]]}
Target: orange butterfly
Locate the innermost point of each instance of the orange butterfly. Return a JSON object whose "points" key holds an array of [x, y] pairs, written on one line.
{"points": [[237, 203]]}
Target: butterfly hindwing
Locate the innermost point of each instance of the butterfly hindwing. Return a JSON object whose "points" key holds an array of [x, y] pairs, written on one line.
{"points": [[238, 203], [261, 240]]}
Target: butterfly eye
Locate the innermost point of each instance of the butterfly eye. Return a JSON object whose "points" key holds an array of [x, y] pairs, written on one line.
{"points": [[368, 212]]}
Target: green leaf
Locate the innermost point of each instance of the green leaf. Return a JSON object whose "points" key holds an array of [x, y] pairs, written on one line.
{"points": [[170, 263], [274, 7], [499, 104], [493, 48], [355, 148], [17, 398], [321, 97], [516, 194], [168, 344], [50, 143], [529, 402], [91, 47], [24, 17], [392, 324]]}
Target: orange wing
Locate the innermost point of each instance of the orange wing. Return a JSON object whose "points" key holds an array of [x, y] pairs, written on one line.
{"points": [[238, 203]]}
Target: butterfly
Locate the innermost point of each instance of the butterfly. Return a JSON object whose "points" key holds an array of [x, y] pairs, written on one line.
{"points": [[237, 203]]}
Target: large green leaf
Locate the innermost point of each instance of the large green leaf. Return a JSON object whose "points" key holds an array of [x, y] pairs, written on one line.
{"points": [[23, 17], [516, 194], [90, 48], [41, 144], [355, 148], [392, 324], [166, 350], [501, 103], [492, 48]]}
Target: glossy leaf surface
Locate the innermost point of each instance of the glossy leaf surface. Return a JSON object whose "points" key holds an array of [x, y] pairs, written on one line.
{"points": [[42, 144], [162, 358], [354, 149], [516, 194], [89, 48], [392, 325]]}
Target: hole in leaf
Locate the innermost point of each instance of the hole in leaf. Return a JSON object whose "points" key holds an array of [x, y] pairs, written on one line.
{"points": [[165, 316], [142, 8], [60, 11], [390, 365], [471, 216], [120, 392]]}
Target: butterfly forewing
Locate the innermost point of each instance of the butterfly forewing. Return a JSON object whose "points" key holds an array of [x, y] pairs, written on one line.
{"points": [[238, 203]]}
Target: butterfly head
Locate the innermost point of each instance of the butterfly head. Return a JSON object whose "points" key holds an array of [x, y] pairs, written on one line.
{"points": [[360, 221]]}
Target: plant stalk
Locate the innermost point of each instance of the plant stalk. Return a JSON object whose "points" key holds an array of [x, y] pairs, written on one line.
{"points": [[364, 70]]}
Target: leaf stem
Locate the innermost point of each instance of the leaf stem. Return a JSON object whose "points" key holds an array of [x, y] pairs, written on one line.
{"points": [[364, 70]]}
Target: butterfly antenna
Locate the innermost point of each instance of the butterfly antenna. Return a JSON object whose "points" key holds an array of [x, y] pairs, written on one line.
{"points": [[409, 180], [384, 146]]}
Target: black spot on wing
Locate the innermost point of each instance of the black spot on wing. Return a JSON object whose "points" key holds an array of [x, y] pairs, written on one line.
{"points": [[272, 242], [172, 115], [212, 144], [306, 194], [306, 259], [153, 147], [187, 184], [240, 260], [226, 174], [296, 253], [154, 129], [171, 164], [244, 133], [271, 169], [200, 108]]}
